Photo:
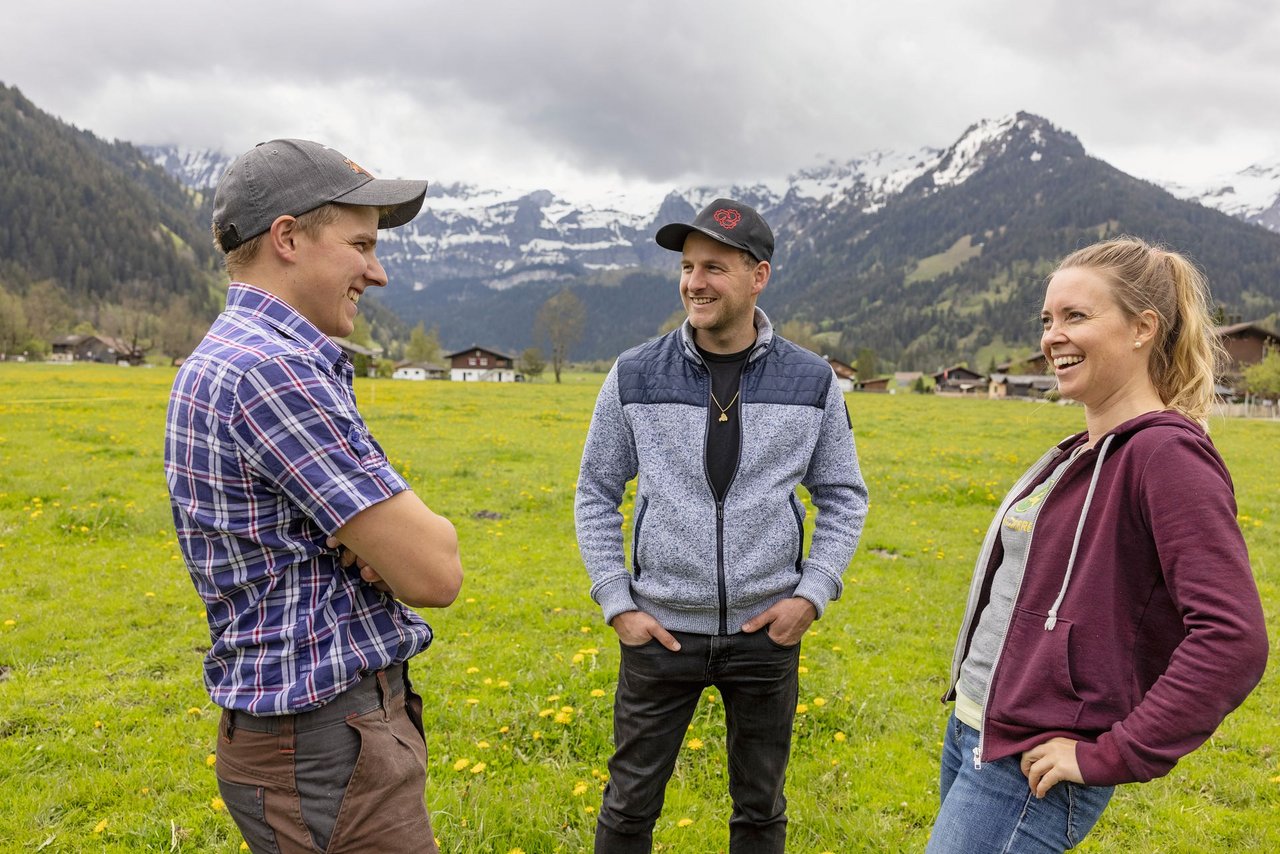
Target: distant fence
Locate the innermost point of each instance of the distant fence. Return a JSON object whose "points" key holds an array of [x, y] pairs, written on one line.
{"points": [[1251, 409]]}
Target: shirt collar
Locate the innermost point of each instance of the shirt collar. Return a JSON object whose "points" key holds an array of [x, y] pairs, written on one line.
{"points": [[247, 299]]}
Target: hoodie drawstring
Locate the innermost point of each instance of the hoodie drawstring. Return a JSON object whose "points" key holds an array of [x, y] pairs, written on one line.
{"points": [[1075, 545]]}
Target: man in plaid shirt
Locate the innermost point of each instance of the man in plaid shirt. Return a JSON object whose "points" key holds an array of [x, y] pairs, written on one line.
{"points": [[299, 535]]}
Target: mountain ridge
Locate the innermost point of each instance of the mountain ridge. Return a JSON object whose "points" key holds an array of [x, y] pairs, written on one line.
{"points": [[927, 257]]}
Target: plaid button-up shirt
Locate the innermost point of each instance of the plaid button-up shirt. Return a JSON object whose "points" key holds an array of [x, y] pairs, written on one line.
{"points": [[265, 456]]}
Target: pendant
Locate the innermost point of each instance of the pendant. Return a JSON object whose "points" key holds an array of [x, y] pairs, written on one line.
{"points": [[723, 417]]}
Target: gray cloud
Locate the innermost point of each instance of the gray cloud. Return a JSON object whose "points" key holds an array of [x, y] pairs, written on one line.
{"points": [[662, 92]]}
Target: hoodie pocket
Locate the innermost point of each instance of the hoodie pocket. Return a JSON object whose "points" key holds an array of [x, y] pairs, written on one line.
{"points": [[797, 510], [1033, 686], [635, 538]]}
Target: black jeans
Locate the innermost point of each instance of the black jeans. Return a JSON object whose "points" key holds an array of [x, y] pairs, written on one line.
{"points": [[658, 691]]}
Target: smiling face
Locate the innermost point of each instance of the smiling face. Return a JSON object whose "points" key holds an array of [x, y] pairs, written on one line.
{"points": [[719, 289], [333, 267], [1089, 341]]}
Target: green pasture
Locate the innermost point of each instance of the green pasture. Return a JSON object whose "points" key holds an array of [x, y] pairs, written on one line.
{"points": [[106, 731]]}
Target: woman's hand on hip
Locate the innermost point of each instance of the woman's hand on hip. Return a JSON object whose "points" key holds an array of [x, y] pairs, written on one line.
{"points": [[1048, 764]]}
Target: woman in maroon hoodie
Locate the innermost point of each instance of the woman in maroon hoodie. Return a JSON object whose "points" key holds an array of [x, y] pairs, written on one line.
{"points": [[1113, 620]]}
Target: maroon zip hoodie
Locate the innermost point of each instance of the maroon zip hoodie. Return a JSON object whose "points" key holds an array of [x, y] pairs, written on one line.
{"points": [[1157, 629]]}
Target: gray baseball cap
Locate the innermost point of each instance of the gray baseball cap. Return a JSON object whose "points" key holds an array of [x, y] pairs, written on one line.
{"points": [[727, 221], [288, 177]]}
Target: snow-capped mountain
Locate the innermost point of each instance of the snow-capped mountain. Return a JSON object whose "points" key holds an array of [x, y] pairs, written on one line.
{"points": [[197, 168], [509, 236], [1252, 194], [918, 256]]}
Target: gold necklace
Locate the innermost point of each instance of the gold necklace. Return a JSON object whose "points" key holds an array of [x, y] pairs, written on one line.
{"points": [[724, 410]]}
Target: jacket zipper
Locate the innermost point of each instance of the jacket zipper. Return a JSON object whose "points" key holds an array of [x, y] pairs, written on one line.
{"points": [[635, 539], [795, 511], [721, 585], [976, 588]]}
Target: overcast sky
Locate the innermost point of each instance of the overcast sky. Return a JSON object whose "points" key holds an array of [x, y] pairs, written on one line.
{"points": [[579, 96]]}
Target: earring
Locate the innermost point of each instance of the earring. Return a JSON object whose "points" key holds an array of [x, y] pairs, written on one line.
{"points": [[1137, 344]]}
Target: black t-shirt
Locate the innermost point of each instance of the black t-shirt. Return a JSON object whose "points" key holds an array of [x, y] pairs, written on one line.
{"points": [[724, 417]]}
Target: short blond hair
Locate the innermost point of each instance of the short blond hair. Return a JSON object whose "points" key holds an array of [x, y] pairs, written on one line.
{"points": [[309, 223]]}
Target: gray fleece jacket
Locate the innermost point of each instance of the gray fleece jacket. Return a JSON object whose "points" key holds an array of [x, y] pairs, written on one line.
{"points": [[699, 566]]}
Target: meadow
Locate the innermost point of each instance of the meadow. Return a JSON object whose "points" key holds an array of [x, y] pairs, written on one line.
{"points": [[106, 732]]}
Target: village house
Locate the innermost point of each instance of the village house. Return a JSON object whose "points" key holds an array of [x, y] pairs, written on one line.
{"points": [[846, 374], [1026, 386], [958, 379], [901, 381], [94, 348], [420, 371], [481, 364]]}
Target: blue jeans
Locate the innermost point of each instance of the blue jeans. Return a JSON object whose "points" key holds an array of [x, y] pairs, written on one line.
{"points": [[658, 691], [992, 808]]}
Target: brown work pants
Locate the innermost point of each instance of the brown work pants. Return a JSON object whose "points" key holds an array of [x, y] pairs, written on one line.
{"points": [[347, 777]]}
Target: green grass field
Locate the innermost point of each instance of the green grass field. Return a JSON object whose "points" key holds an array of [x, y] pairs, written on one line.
{"points": [[106, 731]]}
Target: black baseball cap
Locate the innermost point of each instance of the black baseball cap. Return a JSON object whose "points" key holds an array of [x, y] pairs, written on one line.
{"points": [[727, 221], [288, 177]]}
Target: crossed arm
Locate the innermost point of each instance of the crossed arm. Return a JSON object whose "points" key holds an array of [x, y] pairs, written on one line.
{"points": [[403, 548]]}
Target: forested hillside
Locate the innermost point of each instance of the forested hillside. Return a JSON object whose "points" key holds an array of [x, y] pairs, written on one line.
{"points": [[93, 235]]}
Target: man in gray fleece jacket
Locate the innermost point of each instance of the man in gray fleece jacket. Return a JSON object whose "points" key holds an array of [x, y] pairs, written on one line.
{"points": [[719, 420]]}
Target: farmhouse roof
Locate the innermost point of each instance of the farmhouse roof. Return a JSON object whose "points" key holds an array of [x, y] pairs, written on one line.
{"points": [[492, 350], [1250, 326]]}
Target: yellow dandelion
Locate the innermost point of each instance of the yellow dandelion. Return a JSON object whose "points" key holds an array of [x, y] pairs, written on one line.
{"points": [[588, 810], [460, 764], [149, 595], [244, 846], [580, 788], [97, 724], [684, 822], [553, 698], [802, 708], [564, 717], [819, 702], [591, 650], [567, 709], [194, 711], [578, 658], [211, 760], [504, 730], [478, 767], [217, 805], [483, 745], [11, 622], [537, 735], [586, 630], [840, 737], [597, 692], [471, 600], [472, 701], [803, 669], [502, 683], [695, 744], [516, 851], [546, 713], [100, 826], [473, 669]]}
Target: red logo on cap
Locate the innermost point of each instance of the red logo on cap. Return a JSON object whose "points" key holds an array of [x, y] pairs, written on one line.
{"points": [[727, 217]]}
